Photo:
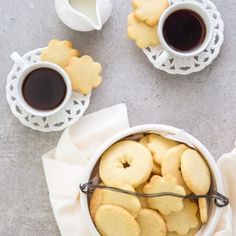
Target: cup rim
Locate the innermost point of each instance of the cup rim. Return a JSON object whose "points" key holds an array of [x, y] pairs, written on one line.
{"points": [[191, 6], [21, 78], [212, 223]]}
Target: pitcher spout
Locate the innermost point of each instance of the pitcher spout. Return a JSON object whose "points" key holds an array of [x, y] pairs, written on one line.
{"points": [[84, 15]]}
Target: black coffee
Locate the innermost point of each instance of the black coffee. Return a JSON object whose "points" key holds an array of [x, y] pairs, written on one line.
{"points": [[184, 30], [44, 89]]}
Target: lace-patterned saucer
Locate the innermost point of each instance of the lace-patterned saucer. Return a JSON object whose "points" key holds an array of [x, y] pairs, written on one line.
{"points": [[61, 120], [184, 66]]}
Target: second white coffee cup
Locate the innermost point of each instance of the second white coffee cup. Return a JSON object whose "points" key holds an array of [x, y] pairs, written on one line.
{"points": [[168, 50]]}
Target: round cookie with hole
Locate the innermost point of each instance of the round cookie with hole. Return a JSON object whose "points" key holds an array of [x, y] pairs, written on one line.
{"points": [[127, 162]]}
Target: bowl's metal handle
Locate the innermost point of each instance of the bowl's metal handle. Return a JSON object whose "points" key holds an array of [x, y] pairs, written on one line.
{"points": [[219, 199]]}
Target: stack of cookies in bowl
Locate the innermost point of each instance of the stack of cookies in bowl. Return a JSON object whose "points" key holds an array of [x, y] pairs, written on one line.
{"points": [[150, 164]]}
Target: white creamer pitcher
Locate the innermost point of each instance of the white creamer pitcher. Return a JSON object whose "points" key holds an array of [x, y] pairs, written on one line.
{"points": [[84, 15]]}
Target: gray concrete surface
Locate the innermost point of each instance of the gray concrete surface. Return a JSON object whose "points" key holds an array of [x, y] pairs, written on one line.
{"points": [[203, 103]]}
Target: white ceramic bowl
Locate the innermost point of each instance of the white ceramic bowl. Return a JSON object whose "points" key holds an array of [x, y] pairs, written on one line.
{"points": [[217, 184]]}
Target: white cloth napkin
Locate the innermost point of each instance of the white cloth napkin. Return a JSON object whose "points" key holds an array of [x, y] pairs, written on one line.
{"points": [[227, 166], [64, 168]]}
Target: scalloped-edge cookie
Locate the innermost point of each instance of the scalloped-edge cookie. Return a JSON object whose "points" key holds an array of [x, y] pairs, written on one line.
{"points": [[126, 162], [151, 223], [113, 220], [143, 34], [167, 204], [59, 52], [195, 172], [84, 73], [171, 163], [181, 222], [149, 11], [158, 145]]}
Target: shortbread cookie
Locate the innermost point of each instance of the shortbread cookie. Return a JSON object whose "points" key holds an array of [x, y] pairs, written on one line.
{"points": [[142, 200], [181, 222], [156, 170], [151, 223], [59, 52], [128, 202], [158, 145], [143, 34], [95, 202], [170, 164], [166, 204], [149, 11], [191, 232], [126, 162], [203, 209], [144, 141], [195, 172], [156, 167], [84, 73], [115, 221]]}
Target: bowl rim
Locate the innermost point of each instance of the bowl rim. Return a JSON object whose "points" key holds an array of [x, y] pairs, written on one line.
{"points": [[149, 128]]}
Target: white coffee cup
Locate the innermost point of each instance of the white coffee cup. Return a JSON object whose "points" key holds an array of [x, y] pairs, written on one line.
{"points": [[217, 183], [168, 51], [25, 70]]}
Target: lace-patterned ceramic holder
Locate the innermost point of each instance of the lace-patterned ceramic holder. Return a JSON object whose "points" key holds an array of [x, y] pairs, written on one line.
{"points": [[73, 110], [187, 65]]}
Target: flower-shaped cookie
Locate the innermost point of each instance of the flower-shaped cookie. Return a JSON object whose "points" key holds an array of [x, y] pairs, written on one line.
{"points": [[84, 74], [59, 52], [149, 11], [181, 222], [143, 34], [166, 204]]}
